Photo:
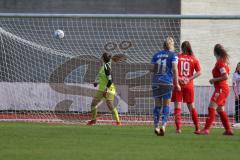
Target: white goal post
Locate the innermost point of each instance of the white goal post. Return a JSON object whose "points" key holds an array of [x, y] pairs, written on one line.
{"points": [[47, 79]]}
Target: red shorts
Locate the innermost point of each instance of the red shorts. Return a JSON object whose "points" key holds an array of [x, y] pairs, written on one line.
{"points": [[186, 95], [220, 96]]}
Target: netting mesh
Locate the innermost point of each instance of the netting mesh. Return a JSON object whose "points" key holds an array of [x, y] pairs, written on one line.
{"points": [[48, 79]]}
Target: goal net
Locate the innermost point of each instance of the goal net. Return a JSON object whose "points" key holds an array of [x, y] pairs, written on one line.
{"points": [[47, 79]]}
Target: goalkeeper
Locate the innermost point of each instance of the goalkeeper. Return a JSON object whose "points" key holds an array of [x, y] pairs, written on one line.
{"points": [[106, 89]]}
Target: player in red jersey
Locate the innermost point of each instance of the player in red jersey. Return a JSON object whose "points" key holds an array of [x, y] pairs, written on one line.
{"points": [[188, 70], [220, 74]]}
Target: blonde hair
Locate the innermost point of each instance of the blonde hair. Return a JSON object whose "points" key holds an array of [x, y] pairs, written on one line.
{"points": [[169, 44]]}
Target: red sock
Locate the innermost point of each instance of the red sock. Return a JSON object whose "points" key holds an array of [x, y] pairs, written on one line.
{"points": [[177, 114], [225, 121], [211, 117], [195, 118]]}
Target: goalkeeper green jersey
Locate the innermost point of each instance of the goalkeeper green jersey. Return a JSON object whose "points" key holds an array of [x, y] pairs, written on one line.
{"points": [[105, 77]]}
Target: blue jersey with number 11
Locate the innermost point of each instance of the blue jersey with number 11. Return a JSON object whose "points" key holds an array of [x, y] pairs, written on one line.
{"points": [[163, 66]]}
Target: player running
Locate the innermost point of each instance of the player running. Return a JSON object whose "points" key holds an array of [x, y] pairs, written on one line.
{"points": [[187, 65], [106, 88], [165, 71], [220, 74]]}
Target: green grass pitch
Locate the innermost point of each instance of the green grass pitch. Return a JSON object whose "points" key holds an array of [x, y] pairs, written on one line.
{"points": [[34, 141]]}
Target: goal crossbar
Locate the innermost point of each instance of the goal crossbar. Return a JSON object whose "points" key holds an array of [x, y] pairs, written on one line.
{"points": [[162, 16]]}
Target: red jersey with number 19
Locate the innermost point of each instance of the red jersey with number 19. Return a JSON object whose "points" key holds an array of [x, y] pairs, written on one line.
{"points": [[187, 64]]}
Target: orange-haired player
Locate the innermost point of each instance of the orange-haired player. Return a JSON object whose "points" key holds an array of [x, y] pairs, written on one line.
{"points": [[220, 74], [188, 70]]}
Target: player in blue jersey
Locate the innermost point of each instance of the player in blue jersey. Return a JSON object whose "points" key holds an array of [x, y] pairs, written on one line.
{"points": [[165, 77]]}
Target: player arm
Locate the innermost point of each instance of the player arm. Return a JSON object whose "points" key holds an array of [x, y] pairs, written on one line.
{"points": [[153, 64], [221, 78], [152, 67], [175, 71], [175, 75], [197, 68], [107, 71], [234, 86], [195, 75]]}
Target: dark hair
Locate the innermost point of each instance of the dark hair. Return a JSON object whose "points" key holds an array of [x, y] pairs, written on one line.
{"points": [[186, 48], [221, 52], [106, 57], [237, 67]]}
